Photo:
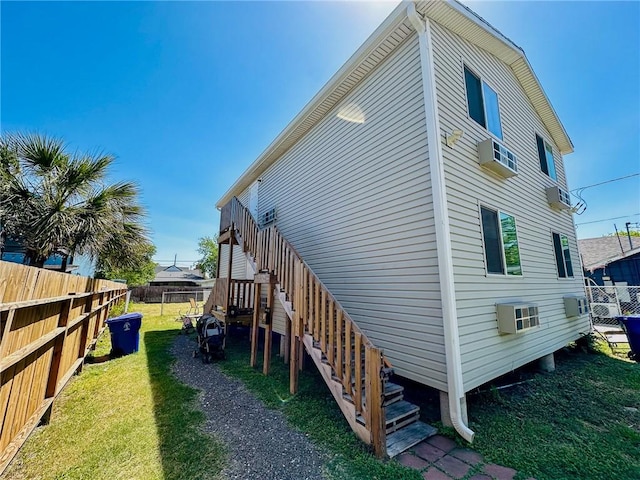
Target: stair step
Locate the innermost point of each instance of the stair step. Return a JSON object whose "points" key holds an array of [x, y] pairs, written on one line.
{"points": [[397, 415], [392, 389], [407, 437], [392, 393], [399, 411], [399, 424]]}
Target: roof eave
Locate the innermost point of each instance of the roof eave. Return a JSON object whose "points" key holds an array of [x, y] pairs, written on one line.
{"points": [[514, 57], [525, 74], [397, 16]]}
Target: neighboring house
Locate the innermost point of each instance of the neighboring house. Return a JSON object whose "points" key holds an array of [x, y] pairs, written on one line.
{"points": [[424, 186], [13, 251], [611, 260], [174, 276]]}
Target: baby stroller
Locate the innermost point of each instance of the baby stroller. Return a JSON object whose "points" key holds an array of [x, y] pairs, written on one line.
{"points": [[210, 339]]}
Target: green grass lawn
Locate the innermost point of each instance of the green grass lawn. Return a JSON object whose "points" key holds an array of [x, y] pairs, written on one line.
{"points": [[580, 422], [131, 419], [125, 419], [313, 411]]}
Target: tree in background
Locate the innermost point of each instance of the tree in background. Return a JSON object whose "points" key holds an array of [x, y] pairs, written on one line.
{"points": [[208, 263], [56, 202], [142, 273], [623, 233]]}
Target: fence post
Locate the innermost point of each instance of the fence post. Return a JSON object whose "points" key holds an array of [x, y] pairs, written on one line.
{"points": [[128, 297], [58, 347]]}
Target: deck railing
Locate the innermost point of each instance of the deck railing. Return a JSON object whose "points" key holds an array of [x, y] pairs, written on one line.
{"points": [[219, 293], [48, 322], [240, 293], [356, 362]]}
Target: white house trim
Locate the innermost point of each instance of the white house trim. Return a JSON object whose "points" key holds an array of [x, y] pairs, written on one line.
{"points": [[464, 22], [456, 394], [393, 31]]}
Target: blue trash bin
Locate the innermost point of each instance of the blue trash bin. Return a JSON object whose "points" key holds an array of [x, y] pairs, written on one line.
{"points": [[125, 333], [631, 326]]}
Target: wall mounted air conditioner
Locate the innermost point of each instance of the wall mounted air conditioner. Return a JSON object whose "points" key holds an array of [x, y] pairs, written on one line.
{"points": [[605, 310], [516, 317], [576, 305], [496, 157], [268, 217], [558, 198]]}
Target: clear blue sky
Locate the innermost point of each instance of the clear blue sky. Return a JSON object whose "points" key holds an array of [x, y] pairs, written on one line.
{"points": [[187, 95]]}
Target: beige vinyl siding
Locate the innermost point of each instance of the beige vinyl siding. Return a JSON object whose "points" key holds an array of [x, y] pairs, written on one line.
{"points": [[485, 353], [279, 318], [355, 200], [244, 197], [239, 268]]}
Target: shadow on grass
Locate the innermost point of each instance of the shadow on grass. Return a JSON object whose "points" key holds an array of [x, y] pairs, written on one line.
{"points": [[185, 451], [313, 411], [91, 359]]}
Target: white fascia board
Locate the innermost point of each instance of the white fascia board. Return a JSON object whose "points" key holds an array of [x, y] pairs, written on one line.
{"points": [[469, 14], [275, 149], [496, 42], [520, 66], [535, 92]]}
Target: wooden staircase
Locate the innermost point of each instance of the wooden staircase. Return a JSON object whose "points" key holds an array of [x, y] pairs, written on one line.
{"points": [[356, 372]]}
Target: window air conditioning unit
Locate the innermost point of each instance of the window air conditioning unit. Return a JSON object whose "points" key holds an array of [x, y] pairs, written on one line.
{"points": [[268, 217], [576, 305], [517, 317], [558, 198], [496, 157], [605, 310]]}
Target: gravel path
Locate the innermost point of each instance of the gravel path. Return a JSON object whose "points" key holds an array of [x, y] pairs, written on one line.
{"points": [[262, 446]]}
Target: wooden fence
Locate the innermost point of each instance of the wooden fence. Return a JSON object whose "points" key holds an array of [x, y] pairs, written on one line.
{"points": [[48, 323], [153, 294]]}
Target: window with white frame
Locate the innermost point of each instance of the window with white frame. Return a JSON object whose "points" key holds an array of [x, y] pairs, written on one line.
{"points": [[563, 255], [545, 155], [501, 250], [482, 101]]}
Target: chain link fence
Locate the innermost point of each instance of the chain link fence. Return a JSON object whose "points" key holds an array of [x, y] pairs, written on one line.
{"points": [[608, 302]]}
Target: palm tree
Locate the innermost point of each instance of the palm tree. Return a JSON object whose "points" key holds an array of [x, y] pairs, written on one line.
{"points": [[54, 202]]}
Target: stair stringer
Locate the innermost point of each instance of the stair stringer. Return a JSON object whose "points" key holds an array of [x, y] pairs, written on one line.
{"points": [[347, 408], [268, 249]]}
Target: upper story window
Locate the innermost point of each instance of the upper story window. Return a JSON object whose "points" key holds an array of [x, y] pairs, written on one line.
{"points": [[482, 102], [545, 154], [563, 256], [501, 250]]}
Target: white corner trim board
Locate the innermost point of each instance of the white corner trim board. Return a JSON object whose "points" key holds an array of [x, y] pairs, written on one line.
{"points": [[443, 234]]}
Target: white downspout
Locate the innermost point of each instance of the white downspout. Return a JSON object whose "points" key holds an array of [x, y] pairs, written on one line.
{"points": [[441, 220]]}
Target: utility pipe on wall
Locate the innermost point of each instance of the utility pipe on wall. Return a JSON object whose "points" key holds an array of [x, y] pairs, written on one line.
{"points": [[455, 386]]}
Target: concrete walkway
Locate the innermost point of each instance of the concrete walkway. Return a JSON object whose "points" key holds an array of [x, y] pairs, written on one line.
{"points": [[440, 458]]}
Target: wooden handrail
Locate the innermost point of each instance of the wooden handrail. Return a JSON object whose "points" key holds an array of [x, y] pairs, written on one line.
{"points": [[347, 349]]}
